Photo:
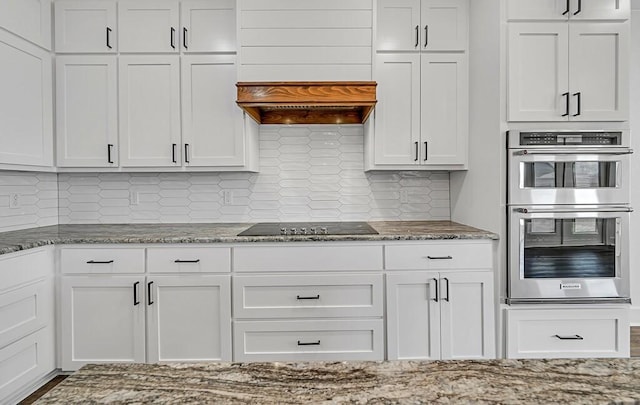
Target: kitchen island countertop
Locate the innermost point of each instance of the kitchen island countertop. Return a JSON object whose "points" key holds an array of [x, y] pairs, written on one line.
{"points": [[222, 233]]}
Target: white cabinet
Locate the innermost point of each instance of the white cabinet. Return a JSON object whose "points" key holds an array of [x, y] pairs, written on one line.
{"points": [[86, 111], [562, 10], [430, 25], [29, 19], [148, 26], [149, 105], [212, 123], [574, 71], [208, 26], [87, 26], [26, 113], [433, 315]]}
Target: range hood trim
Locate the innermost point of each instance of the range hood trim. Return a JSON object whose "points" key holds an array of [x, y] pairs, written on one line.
{"points": [[307, 102]]}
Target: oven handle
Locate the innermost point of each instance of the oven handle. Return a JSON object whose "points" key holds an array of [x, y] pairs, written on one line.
{"points": [[586, 209], [574, 152]]}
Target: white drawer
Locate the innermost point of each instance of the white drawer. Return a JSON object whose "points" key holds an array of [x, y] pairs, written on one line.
{"points": [[25, 266], [307, 258], [308, 340], [563, 333], [188, 260], [308, 296], [439, 256], [25, 310], [104, 260]]}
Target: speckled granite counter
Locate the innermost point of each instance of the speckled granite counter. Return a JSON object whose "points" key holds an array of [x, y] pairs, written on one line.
{"points": [[222, 233], [584, 381]]}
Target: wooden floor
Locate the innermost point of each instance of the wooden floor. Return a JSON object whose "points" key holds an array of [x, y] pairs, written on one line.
{"points": [[635, 352]]}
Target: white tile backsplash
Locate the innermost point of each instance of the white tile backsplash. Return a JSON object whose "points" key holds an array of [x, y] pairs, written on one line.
{"points": [[37, 196]]}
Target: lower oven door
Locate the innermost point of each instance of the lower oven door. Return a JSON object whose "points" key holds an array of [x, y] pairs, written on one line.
{"points": [[568, 254]]}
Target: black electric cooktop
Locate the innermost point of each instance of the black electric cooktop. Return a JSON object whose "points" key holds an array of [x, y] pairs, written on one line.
{"points": [[309, 228]]}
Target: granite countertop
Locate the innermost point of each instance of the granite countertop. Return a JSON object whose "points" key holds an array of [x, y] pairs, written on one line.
{"points": [[222, 233], [579, 381]]}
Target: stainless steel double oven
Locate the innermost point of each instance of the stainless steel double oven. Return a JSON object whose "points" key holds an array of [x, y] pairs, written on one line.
{"points": [[568, 216]]}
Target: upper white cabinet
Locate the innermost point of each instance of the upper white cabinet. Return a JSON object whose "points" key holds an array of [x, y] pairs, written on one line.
{"points": [[86, 111], [29, 19], [568, 10], [430, 25], [148, 26], [87, 26], [26, 113], [576, 71], [208, 26]]}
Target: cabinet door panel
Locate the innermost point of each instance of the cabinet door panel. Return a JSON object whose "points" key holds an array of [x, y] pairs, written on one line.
{"points": [[413, 316], [210, 26], [467, 315], [148, 26], [600, 10], [29, 19], [397, 113], [85, 26], [86, 111], [444, 25], [599, 71], [149, 111], [212, 122], [189, 318], [537, 10], [444, 107], [397, 23], [538, 65]]}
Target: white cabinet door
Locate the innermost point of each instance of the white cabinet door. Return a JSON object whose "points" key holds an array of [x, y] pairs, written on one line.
{"points": [[212, 122], [444, 25], [413, 316], [86, 111], [445, 108], [397, 113], [149, 111], [538, 56], [102, 320], [189, 318], [148, 26], [600, 9], [26, 122], [398, 25], [29, 19], [538, 9], [467, 315], [85, 26], [208, 25], [599, 71]]}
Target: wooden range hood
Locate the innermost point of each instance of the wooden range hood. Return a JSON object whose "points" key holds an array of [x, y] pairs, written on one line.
{"points": [[307, 102]]}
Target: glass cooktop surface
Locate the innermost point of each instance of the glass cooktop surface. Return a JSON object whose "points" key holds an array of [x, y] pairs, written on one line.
{"points": [[309, 228]]}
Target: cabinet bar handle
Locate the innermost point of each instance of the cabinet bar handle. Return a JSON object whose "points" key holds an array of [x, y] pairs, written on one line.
{"points": [[317, 343], [439, 257], [173, 153], [108, 38], [417, 36], [436, 281], [426, 151], [99, 262], [135, 293], [186, 153], [184, 38], [149, 298], [426, 35], [566, 95], [579, 10], [447, 280], [417, 151], [187, 261], [566, 11], [573, 337], [173, 38], [315, 297], [109, 147], [579, 95]]}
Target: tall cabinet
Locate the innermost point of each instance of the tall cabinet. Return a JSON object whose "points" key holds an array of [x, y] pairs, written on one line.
{"points": [[421, 120]]}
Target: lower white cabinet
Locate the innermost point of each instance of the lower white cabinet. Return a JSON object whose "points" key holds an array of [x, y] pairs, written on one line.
{"points": [[440, 315]]}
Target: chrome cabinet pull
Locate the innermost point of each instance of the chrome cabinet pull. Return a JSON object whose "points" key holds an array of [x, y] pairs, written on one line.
{"points": [[100, 262], [135, 293], [579, 95], [315, 297], [447, 280], [417, 36], [436, 282], [187, 261], [316, 343], [566, 95], [149, 298], [572, 337], [439, 257], [426, 35]]}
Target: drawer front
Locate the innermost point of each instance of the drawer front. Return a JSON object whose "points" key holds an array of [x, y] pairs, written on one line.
{"points": [[188, 260], [559, 333], [307, 296], [308, 340], [101, 260], [25, 310], [25, 267], [439, 256], [307, 258]]}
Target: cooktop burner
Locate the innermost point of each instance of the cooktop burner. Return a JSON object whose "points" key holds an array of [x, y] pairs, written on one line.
{"points": [[309, 228]]}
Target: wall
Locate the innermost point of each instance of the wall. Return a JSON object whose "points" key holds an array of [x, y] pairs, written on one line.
{"points": [[306, 173], [635, 161], [38, 197]]}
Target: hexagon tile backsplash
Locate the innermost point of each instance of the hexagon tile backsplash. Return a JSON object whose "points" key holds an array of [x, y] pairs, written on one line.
{"points": [[306, 173]]}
